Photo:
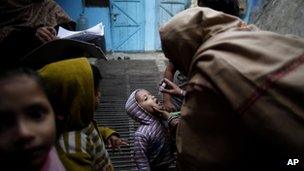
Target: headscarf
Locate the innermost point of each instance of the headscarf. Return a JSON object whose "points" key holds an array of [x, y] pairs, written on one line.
{"points": [[258, 73], [30, 13], [136, 112], [188, 30], [70, 88], [201, 39]]}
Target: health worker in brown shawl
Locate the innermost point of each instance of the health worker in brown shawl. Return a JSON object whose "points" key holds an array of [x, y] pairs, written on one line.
{"points": [[27, 24], [244, 104]]}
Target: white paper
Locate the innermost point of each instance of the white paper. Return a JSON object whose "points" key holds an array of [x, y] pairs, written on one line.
{"points": [[98, 29], [64, 33]]}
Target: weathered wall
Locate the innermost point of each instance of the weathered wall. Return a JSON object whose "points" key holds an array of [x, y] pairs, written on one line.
{"points": [[282, 16], [242, 4]]}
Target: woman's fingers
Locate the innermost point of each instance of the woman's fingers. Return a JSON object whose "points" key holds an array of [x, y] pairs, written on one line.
{"points": [[174, 91], [170, 83], [169, 107], [43, 37], [52, 31], [165, 90], [46, 34], [158, 111], [162, 113]]}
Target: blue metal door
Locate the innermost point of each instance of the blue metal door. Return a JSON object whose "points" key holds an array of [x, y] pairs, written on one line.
{"points": [[127, 25], [166, 9]]}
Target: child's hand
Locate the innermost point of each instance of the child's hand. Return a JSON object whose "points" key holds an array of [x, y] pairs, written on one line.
{"points": [[161, 113], [172, 89], [115, 142]]}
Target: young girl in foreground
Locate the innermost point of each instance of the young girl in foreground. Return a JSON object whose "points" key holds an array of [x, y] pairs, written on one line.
{"points": [[27, 125]]}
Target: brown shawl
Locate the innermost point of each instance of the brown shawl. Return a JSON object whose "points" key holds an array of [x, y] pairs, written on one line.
{"points": [[244, 103], [30, 13]]}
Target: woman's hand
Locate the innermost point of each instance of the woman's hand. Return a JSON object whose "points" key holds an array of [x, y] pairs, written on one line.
{"points": [[172, 88], [169, 106], [161, 113], [46, 34]]}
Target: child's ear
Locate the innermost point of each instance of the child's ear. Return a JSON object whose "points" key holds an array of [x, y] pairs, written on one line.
{"points": [[60, 124], [60, 117]]}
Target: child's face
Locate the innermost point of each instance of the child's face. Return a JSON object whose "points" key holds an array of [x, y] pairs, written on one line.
{"points": [[27, 125], [147, 101]]}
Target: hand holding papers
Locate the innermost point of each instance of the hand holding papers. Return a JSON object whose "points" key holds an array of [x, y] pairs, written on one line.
{"points": [[71, 44], [93, 35]]}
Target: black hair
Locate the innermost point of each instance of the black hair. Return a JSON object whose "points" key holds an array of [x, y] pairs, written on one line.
{"points": [[227, 6], [96, 76], [14, 72]]}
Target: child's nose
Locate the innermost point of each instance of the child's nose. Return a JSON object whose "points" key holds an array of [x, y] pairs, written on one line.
{"points": [[24, 132]]}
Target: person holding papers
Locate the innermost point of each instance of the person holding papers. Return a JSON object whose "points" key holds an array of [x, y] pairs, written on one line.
{"points": [[93, 35], [25, 25]]}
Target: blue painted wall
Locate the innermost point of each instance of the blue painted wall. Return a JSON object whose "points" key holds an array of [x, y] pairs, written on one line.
{"points": [[150, 26], [253, 8], [97, 15], [94, 15]]}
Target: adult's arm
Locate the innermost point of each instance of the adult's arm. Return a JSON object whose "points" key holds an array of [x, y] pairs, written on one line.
{"points": [[169, 74]]}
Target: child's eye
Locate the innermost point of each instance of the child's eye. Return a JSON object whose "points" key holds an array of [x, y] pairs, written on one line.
{"points": [[36, 115], [145, 98], [36, 112]]}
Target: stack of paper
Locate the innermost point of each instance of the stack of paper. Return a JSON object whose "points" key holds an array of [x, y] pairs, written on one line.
{"points": [[96, 30]]}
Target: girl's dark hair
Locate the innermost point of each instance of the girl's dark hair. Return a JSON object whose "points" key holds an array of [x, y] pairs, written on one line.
{"points": [[227, 6], [96, 75], [14, 72]]}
